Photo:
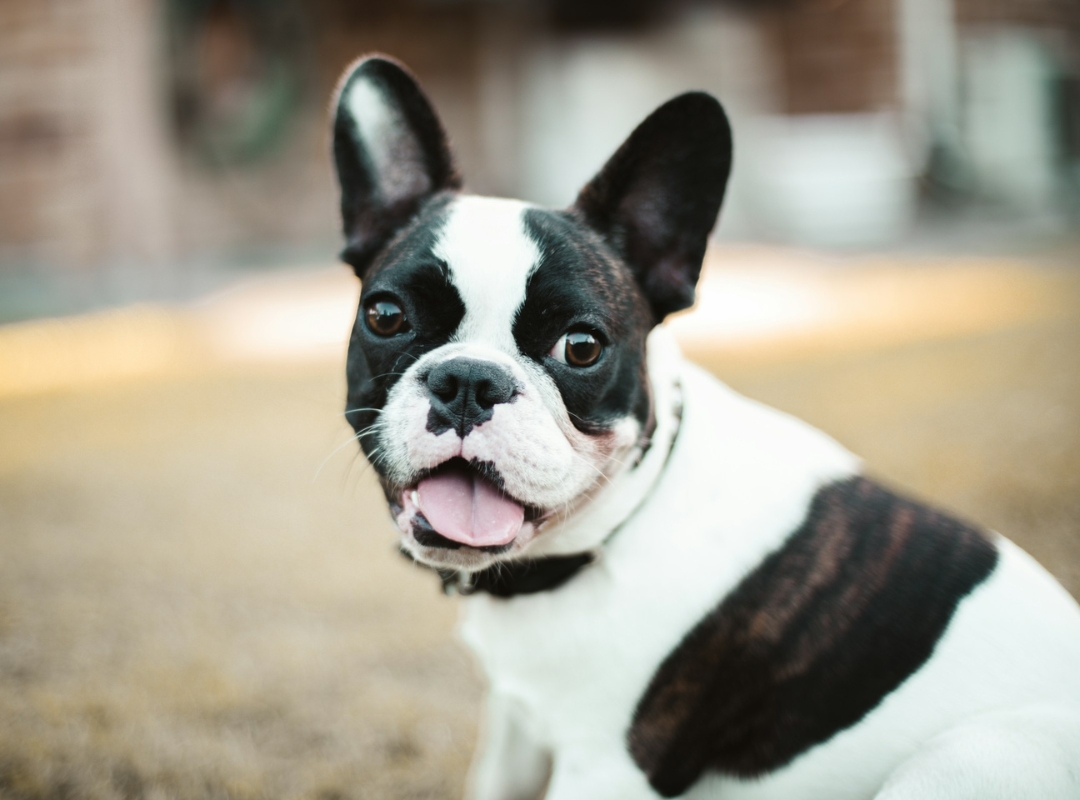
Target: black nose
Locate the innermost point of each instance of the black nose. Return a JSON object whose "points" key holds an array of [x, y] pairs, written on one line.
{"points": [[463, 392]]}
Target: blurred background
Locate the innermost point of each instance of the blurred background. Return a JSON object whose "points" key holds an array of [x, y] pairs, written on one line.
{"points": [[146, 145], [199, 595]]}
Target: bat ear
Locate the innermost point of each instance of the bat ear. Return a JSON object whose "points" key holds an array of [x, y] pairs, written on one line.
{"points": [[657, 198], [390, 151]]}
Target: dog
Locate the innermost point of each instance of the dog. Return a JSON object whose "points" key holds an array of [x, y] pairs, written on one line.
{"points": [[673, 590]]}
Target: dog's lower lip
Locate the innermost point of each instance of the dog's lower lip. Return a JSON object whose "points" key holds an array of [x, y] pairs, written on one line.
{"points": [[427, 536], [534, 514]]}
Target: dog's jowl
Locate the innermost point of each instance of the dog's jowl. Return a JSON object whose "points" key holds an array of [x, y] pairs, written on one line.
{"points": [[673, 591]]}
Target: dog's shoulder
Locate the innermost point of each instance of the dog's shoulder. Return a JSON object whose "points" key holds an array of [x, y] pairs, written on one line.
{"points": [[851, 604]]}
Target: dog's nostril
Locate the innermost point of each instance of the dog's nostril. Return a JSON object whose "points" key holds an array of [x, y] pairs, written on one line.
{"points": [[495, 389], [445, 382], [443, 385]]}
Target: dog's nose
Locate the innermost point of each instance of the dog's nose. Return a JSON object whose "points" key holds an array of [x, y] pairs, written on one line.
{"points": [[463, 393]]}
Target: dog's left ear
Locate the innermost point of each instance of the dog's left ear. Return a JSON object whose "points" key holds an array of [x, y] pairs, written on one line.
{"points": [[390, 151], [657, 198]]}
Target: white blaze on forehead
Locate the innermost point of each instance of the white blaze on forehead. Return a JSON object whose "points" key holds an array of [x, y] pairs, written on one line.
{"points": [[490, 257], [386, 140]]}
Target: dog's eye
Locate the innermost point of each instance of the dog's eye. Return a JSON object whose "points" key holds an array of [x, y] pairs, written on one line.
{"points": [[577, 348], [385, 318]]}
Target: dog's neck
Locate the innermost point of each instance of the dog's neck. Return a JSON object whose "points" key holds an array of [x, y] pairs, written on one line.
{"points": [[572, 544]]}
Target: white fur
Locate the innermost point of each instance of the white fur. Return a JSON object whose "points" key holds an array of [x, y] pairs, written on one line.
{"points": [[387, 141], [572, 664], [1017, 752], [490, 258]]}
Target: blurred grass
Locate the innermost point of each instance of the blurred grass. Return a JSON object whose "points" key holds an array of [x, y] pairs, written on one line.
{"points": [[186, 613]]}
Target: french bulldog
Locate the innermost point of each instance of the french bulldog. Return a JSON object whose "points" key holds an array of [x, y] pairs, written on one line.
{"points": [[673, 590]]}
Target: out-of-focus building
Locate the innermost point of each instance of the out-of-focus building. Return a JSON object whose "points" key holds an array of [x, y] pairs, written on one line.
{"points": [[141, 138]]}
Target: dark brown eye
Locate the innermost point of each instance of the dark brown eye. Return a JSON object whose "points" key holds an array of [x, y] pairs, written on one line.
{"points": [[385, 318], [578, 349]]}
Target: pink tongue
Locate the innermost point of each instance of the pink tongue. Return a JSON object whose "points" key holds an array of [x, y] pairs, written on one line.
{"points": [[468, 509]]}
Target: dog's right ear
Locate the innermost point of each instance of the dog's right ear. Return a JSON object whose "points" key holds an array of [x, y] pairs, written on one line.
{"points": [[390, 151]]}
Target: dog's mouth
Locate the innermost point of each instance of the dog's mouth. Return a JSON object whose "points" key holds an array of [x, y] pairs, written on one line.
{"points": [[462, 504]]}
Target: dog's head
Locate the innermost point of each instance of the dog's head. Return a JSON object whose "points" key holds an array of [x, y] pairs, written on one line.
{"points": [[497, 372]]}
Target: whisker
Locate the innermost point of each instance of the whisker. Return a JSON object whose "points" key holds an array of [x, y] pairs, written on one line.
{"points": [[595, 468], [347, 474], [354, 438], [372, 458]]}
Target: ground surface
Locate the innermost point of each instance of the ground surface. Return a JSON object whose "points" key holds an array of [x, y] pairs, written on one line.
{"points": [[188, 611]]}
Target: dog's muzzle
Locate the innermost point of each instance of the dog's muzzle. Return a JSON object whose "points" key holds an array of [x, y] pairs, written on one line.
{"points": [[459, 503]]}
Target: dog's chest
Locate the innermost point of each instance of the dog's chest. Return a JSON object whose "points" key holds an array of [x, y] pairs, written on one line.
{"points": [[739, 482]]}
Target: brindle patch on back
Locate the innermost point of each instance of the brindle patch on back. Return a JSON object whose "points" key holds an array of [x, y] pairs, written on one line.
{"points": [[850, 606]]}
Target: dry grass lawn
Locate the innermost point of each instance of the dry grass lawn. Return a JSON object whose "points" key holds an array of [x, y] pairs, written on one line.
{"points": [[185, 613]]}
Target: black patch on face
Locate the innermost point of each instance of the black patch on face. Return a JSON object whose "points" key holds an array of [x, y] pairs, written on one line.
{"points": [[843, 613], [408, 273], [580, 284]]}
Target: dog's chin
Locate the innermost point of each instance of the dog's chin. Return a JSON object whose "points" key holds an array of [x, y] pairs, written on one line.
{"points": [[427, 546], [458, 516], [465, 557]]}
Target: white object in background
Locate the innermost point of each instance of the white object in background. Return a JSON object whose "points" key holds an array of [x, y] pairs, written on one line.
{"points": [[833, 180], [1008, 117], [580, 95], [929, 76]]}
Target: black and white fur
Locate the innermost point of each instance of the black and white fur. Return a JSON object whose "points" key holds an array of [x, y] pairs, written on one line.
{"points": [[758, 620]]}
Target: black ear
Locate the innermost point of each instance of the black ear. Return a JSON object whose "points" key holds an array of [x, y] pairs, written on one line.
{"points": [[657, 198], [390, 151]]}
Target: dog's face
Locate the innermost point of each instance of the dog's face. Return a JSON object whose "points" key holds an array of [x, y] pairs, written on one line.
{"points": [[504, 350], [497, 368]]}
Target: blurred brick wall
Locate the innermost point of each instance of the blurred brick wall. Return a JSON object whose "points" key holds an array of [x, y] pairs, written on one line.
{"points": [[49, 207], [289, 199], [837, 56], [92, 174]]}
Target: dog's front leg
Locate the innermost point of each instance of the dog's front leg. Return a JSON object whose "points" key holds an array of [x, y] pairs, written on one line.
{"points": [[510, 762]]}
